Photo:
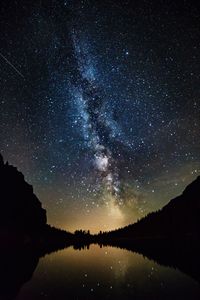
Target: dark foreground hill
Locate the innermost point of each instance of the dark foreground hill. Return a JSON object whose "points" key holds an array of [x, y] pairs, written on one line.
{"points": [[20, 208], [22, 218], [180, 218]]}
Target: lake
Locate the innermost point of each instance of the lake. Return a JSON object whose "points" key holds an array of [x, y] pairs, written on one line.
{"points": [[105, 273]]}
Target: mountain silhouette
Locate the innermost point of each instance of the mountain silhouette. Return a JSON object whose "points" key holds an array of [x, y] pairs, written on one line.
{"points": [[178, 219], [20, 209]]}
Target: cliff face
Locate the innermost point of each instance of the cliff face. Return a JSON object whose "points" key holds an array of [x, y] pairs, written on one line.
{"points": [[20, 209]]}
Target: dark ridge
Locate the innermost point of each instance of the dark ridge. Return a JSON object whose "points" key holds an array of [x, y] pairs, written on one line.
{"points": [[20, 210], [178, 219], [23, 221]]}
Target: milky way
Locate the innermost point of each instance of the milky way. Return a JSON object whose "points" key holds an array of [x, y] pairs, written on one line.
{"points": [[105, 121], [96, 121]]}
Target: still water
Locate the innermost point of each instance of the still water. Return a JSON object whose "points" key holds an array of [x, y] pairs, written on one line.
{"points": [[105, 273]]}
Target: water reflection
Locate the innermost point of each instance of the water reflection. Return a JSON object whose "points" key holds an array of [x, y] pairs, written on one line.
{"points": [[16, 268], [105, 273]]}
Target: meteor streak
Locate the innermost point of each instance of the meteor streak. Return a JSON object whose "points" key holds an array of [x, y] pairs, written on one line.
{"points": [[8, 62]]}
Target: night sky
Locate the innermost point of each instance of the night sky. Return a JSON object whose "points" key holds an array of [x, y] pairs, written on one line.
{"points": [[100, 105]]}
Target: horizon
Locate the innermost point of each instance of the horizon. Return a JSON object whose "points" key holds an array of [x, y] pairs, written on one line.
{"points": [[99, 230], [101, 116]]}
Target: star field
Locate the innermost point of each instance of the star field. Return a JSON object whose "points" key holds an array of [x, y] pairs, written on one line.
{"points": [[104, 119]]}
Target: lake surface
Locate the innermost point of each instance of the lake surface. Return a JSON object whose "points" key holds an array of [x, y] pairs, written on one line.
{"points": [[105, 273]]}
